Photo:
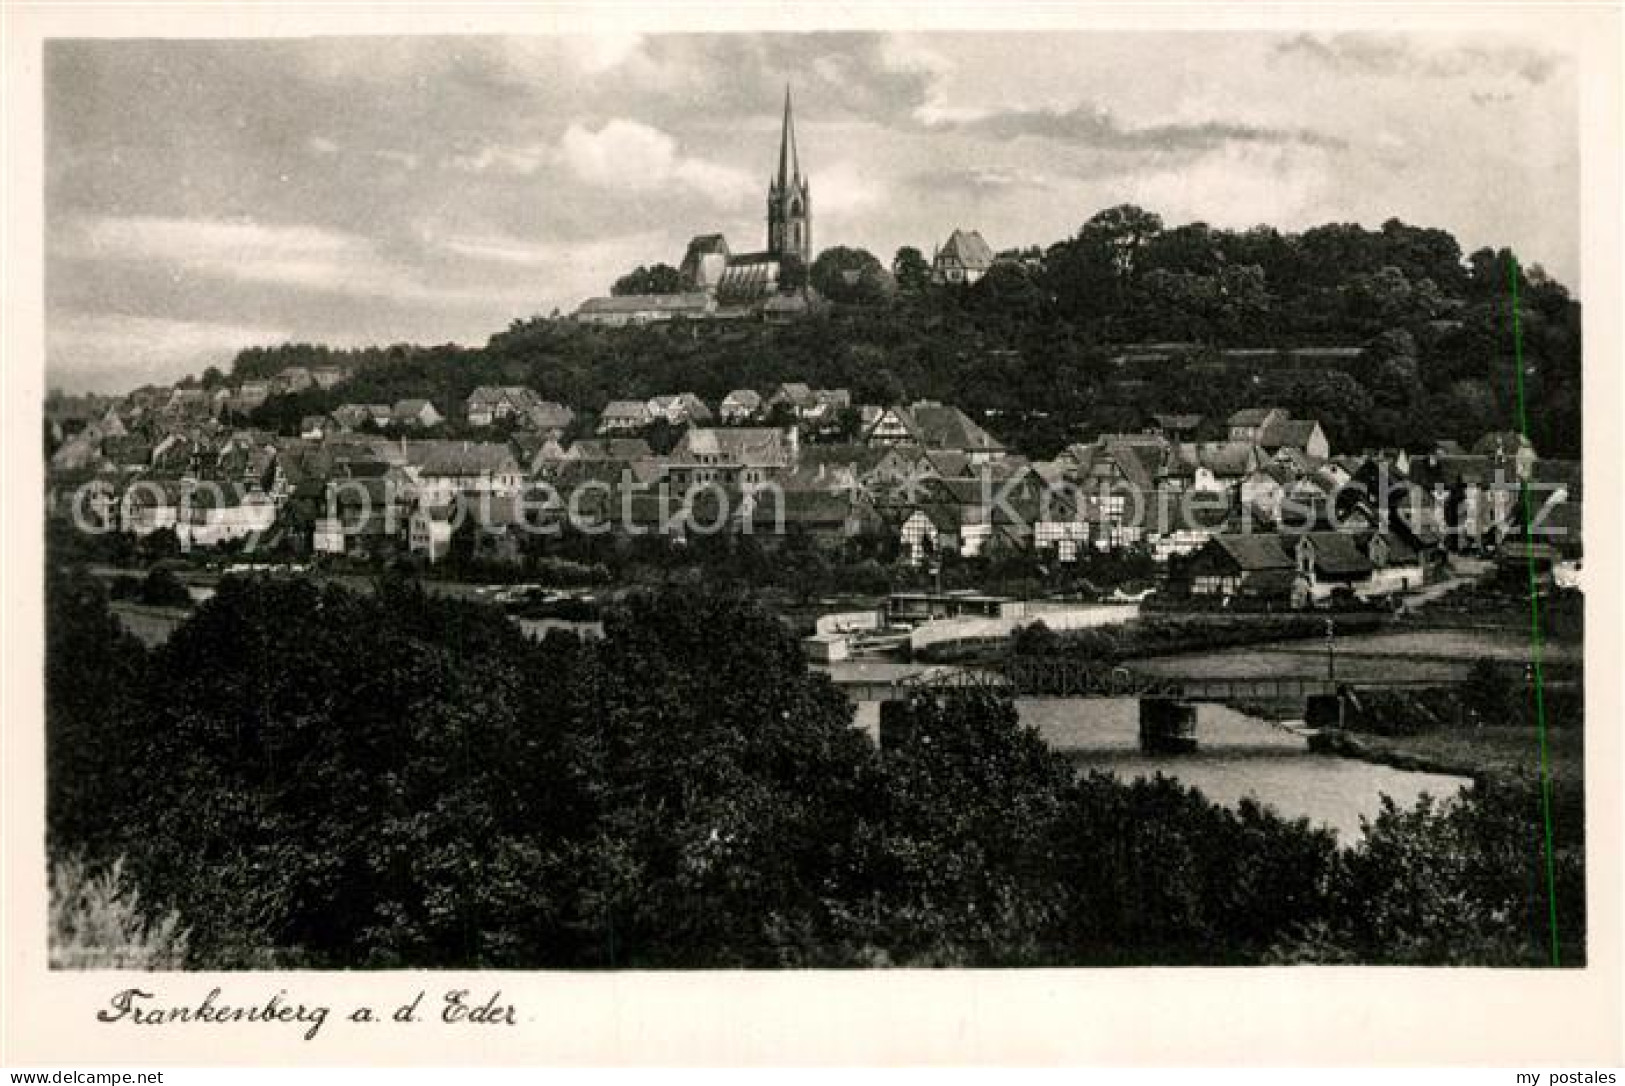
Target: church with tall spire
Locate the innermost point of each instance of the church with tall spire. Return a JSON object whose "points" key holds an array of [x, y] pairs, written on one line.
{"points": [[749, 279], [720, 283], [789, 198]]}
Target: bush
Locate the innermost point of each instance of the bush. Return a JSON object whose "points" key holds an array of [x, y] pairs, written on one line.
{"points": [[97, 922], [1158, 634], [163, 589], [1457, 883]]}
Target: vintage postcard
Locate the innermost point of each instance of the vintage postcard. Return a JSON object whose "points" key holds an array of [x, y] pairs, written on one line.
{"points": [[584, 534]]}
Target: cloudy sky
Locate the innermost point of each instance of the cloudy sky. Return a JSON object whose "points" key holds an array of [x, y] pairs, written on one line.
{"points": [[205, 195]]}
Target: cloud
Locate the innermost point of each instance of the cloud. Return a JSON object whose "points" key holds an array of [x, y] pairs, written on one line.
{"points": [[298, 254], [235, 249], [724, 77], [631, 156], [604, 253], [522, 161], [980, 181], [431, 188], [304, 258], [1392, 55], [1240, 186], [108, 352], [606, 51], [1094, 126]]}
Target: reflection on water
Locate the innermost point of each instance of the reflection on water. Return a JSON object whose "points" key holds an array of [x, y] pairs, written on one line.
{"points": [[1239, 756]]}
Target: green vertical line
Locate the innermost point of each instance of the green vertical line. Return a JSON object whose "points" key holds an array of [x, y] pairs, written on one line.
{"points": [[1535, 643]]}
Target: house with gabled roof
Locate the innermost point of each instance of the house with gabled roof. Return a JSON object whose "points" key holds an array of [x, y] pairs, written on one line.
{"points": [[740, 405], [214, 511], [444, 469], [735, 457], [624, 415], [1247, 423], [326, 377], [194, 401], [549, 419], [797, 395], [489, 403], [1328, 561], [680, 409], [609, 450], [352, 416], [1303, 435], [964, 258], [415, 413], [1255, 566], [249, 395], [934, 426]]}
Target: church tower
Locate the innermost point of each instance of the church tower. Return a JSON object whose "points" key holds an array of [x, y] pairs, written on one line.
{"points": [[789, 200]]}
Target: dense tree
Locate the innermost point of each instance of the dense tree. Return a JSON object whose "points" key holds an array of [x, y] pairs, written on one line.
{"points": [[658, 279], [911, 270], [93, 666], [1123, 278], [851, 276], [318, 777]]}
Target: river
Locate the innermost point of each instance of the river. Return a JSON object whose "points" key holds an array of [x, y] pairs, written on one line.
{"points": [[1238, 755]]}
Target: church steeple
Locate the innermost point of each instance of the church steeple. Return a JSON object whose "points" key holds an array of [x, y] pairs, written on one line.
{"points": [[789, 198], [789, 162]]}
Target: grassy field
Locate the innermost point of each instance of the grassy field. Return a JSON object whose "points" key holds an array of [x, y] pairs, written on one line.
{"points": [[1490, 750], [152, 625]]}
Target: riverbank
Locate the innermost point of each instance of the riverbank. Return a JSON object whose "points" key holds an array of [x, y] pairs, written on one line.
{"points": [[1479, 753]]}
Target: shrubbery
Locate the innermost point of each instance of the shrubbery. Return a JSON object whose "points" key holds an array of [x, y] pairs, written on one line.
{"points": [[1154, 635], [394, 779], [159, 588], [97, 922], [1494, 694]]}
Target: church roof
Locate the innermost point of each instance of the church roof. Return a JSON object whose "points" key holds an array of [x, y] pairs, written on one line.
{"points": [[748, 278], [708, 243]]}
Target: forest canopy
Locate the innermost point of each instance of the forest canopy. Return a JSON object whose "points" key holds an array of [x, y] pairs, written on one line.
{"points": [[1038, 347]]}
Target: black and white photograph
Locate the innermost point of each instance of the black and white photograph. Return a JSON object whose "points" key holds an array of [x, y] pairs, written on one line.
{"points": [[829, 499]]}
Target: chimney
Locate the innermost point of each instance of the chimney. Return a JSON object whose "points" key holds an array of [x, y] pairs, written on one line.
{"points": [[792, 439]]}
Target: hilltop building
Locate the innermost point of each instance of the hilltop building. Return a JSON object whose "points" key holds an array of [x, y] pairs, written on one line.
{"points": [[722, 283], [964, 258]]}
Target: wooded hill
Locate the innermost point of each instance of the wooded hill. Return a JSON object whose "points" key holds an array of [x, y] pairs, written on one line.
{"points": [[1051, 346]]}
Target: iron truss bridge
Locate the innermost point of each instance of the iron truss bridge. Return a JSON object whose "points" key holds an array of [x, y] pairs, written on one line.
{"points": [[1044, 677]]}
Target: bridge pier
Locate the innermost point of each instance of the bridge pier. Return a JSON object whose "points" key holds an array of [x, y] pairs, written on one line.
{"points": [[1167, 726], [1323, 711]]}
